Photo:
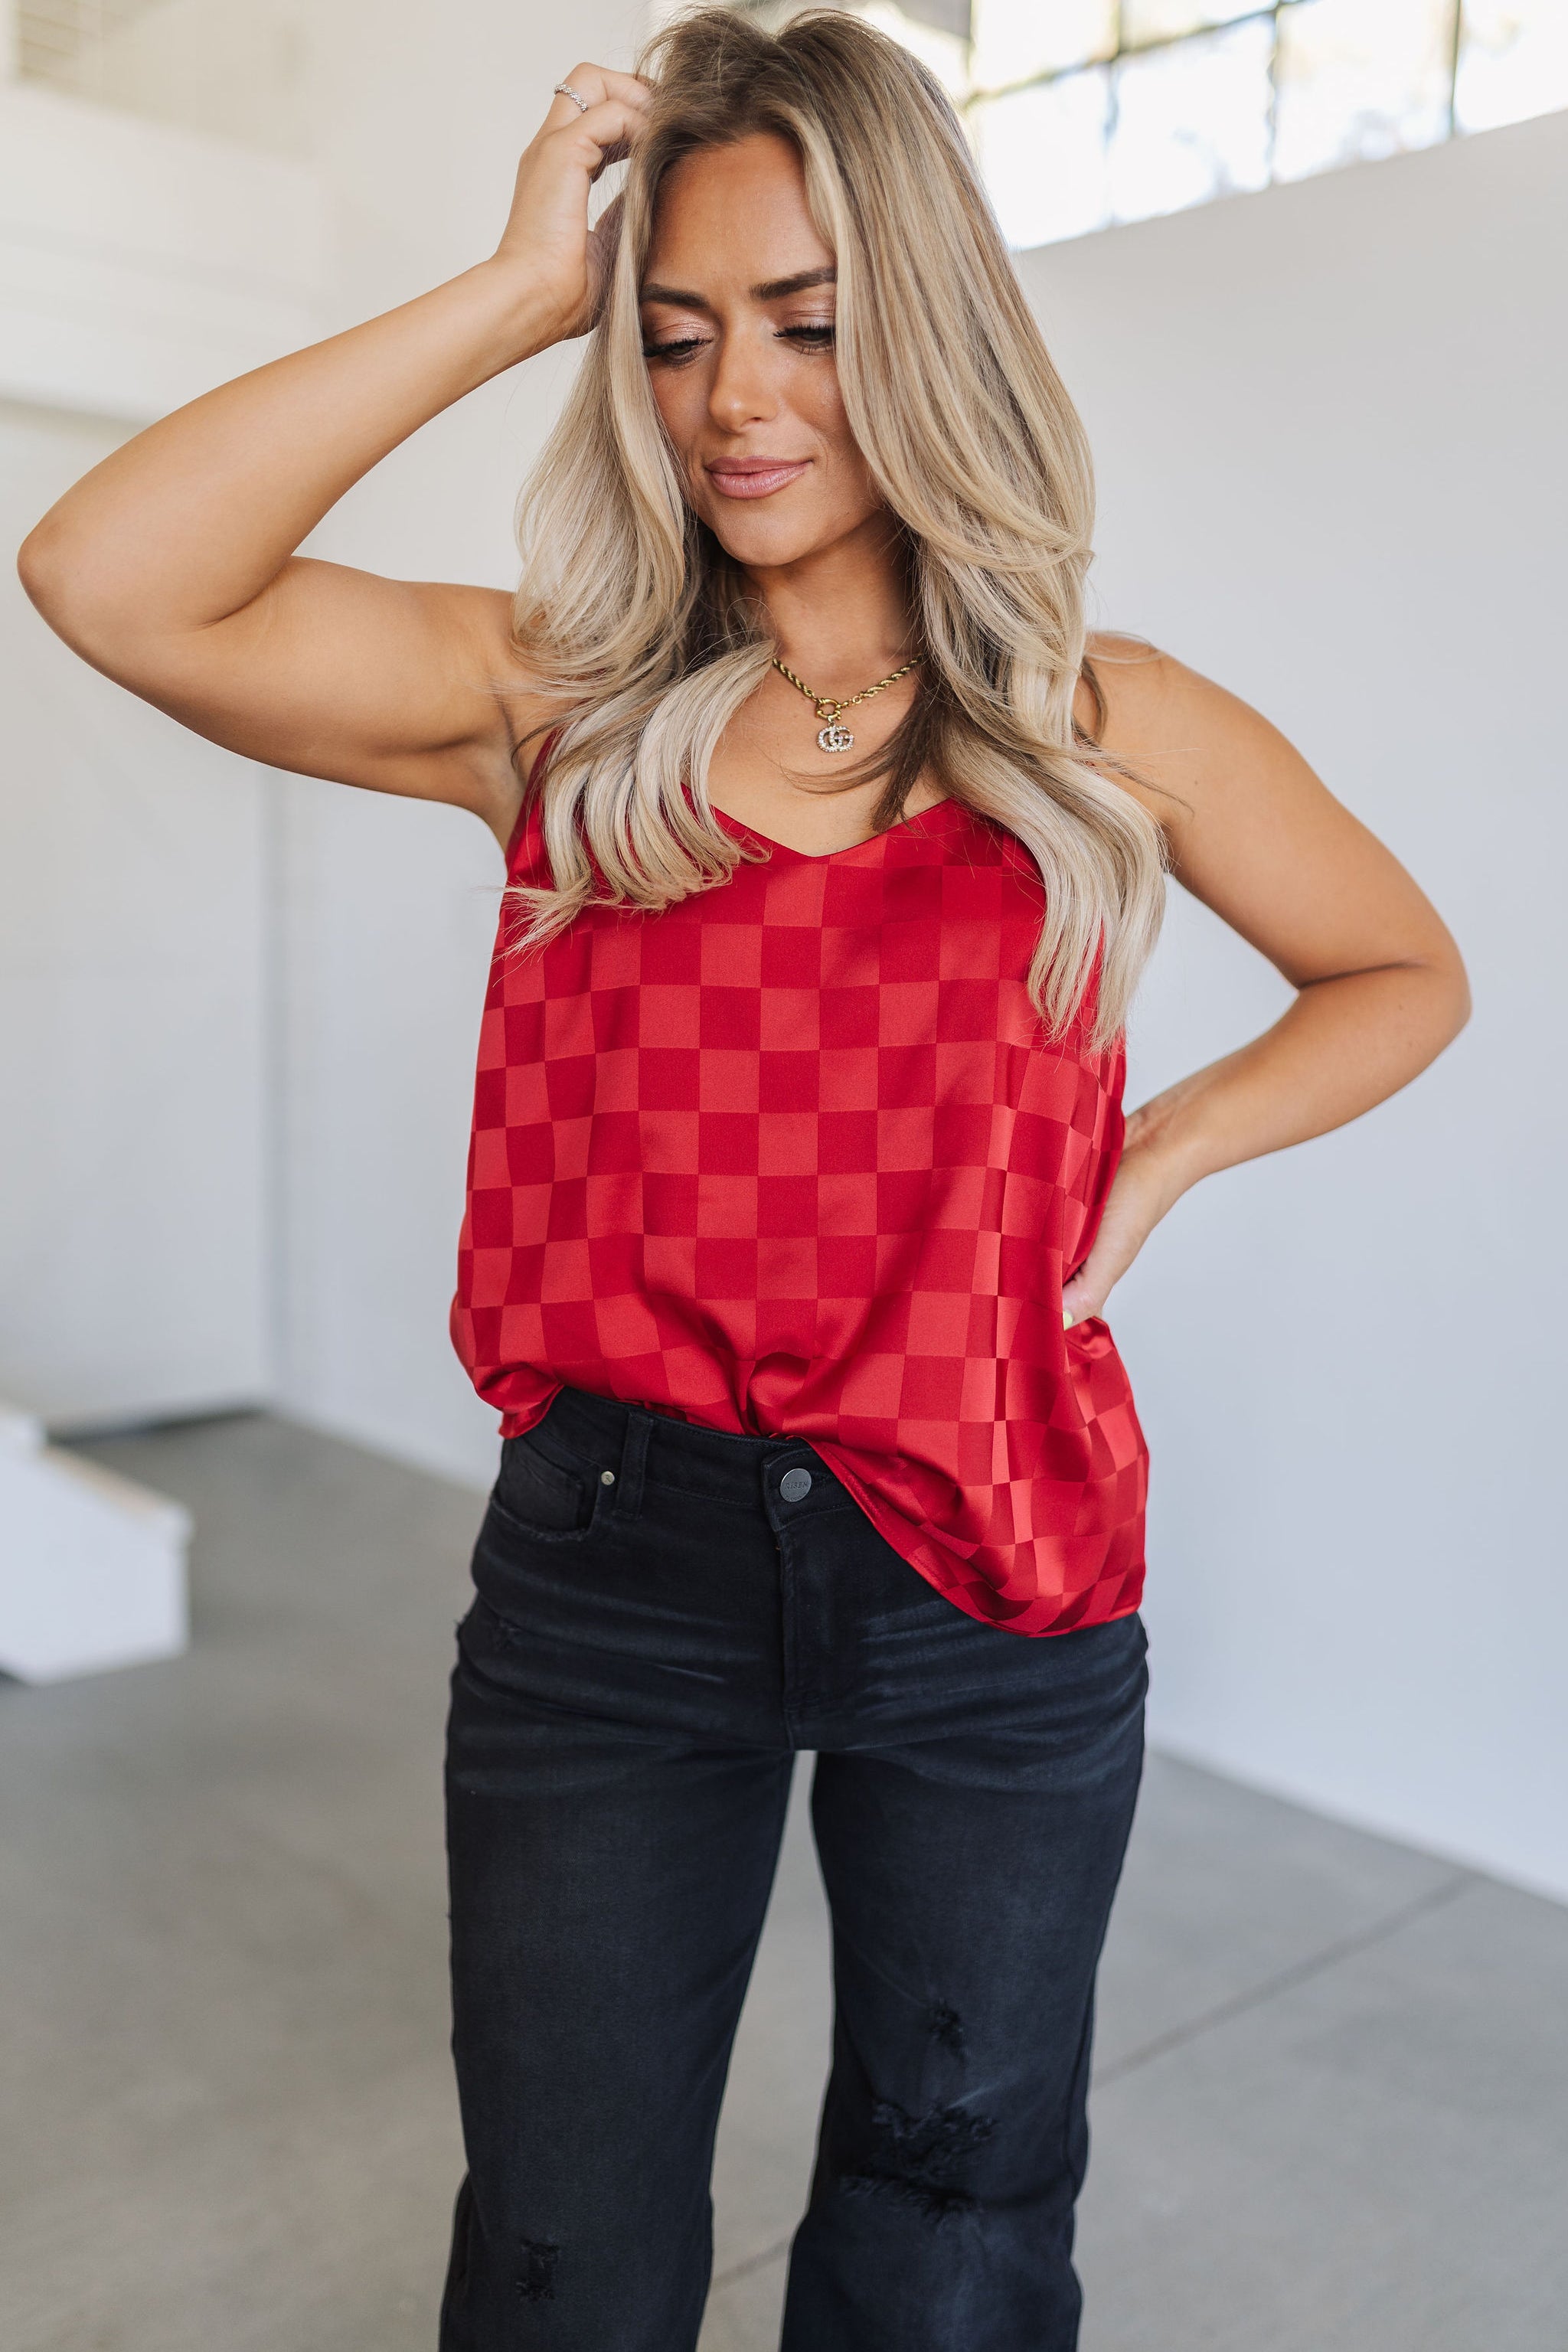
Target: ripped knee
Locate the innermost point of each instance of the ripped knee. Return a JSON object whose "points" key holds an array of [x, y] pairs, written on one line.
{"points": [[919, 2160]]}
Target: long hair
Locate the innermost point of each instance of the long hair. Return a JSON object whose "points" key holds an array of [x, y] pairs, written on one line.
{"points": [[630, 612]]}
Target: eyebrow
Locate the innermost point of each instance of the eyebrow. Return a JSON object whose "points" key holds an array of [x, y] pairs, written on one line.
{"points": [[771, 290]]}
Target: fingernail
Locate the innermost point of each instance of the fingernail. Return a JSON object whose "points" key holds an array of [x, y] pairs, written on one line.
{"points": [[1067, 1320]]}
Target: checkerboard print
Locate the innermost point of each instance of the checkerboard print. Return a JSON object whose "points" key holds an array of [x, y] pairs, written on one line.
{"points": [[793, 1159]]}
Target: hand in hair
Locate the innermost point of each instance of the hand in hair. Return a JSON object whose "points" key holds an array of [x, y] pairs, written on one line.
{"points": [[172, 566], [563, 263]]}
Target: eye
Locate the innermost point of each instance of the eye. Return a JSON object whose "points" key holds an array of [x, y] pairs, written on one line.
{"points": [[675, 351], [817, 336]]}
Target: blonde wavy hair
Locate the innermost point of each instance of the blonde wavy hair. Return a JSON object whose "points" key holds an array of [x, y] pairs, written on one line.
{"points": [[630, 612]]}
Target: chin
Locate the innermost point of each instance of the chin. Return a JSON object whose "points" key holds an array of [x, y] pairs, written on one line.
{"points": [[769, 541]]}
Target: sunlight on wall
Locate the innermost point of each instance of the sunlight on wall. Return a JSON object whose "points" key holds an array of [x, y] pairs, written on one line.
{"points": [[1084, 113], [237, 71]]}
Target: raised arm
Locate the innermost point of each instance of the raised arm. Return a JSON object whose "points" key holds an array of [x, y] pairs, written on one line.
{"points": [[172, 567], [1380, 986]]}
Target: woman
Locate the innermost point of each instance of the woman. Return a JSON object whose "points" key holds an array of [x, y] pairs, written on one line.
{"points": [[799, 1178]]}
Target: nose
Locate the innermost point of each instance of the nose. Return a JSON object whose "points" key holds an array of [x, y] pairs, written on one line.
{"points": [[743, 391]]}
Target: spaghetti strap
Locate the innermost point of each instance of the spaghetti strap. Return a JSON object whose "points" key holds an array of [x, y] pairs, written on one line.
{"points": [[531, 792]]}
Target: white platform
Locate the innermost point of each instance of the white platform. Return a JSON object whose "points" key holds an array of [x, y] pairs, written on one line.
{"points": [[92, 1568]]}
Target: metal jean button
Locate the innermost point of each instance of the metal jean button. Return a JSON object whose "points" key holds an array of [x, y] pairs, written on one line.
{"points": [[795, 1485]]}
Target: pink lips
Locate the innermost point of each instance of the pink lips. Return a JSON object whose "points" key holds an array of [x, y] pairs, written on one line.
{"points": [[755, 477]]}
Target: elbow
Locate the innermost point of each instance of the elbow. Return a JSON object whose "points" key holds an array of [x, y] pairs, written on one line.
{"points": [[1457, 986], [67, 588], [1450, 996], [38, 568], [52, 580], [1463, 1002]]}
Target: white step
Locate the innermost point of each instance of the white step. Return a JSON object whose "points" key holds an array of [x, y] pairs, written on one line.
{"points": [[92, 1568]]}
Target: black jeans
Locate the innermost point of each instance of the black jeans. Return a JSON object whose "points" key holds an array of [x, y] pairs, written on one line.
{"points": [[664, 1616]]}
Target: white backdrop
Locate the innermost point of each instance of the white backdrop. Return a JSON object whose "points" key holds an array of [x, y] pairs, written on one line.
{"points": [[1327, 424], [132, 952], [139, 263]]}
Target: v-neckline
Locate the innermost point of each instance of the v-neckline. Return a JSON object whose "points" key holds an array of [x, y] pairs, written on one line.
{"points": [[851, 849]]}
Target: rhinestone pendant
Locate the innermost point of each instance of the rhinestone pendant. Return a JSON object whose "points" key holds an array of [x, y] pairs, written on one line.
{"points": [[834, 738]]}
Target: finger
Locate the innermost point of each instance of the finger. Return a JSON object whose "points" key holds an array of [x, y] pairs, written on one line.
{"points": [[1081, 1299], [629, 87], [597, 83], [610, 127], [600, 137], [609, 79]]}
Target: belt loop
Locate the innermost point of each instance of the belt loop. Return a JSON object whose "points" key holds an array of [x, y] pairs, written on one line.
{"points": [[626, 1500]]}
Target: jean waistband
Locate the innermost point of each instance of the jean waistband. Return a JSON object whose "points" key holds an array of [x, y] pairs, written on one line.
{"points": [[637, 1444]]}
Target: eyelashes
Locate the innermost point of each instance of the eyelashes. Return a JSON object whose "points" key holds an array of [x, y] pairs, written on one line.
{"points": [[679, 349]]}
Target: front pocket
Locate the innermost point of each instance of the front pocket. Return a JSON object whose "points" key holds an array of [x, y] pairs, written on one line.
{"points": [[538, 1496]]}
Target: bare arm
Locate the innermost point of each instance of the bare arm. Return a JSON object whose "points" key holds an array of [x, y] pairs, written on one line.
{"points": [[172, 567], [1255, 836]]}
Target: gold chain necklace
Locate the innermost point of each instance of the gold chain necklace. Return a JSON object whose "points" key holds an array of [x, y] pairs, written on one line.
{"points": [[833, 738]]}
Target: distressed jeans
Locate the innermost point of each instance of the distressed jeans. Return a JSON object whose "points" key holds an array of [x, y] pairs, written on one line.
{"points": [[664, 1615]]}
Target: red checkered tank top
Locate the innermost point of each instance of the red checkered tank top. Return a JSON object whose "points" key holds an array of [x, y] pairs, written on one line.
{"points": [[795, 1157]]}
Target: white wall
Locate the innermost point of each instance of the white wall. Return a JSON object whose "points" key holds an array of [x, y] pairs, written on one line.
{"points": [[131, 989], [240, 71], [391, 908], [141, 264], [1329, 429], [138, 265]]}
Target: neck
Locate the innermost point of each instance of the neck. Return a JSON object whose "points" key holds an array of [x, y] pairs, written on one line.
{"points": [[841, 616]]}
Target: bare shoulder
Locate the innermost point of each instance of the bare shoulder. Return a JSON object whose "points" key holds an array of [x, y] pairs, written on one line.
{"points": [[1185, 745], [1254, 833], [1153, 704]]}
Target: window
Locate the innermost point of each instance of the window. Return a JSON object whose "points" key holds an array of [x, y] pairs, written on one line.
{"points": [[1086, 112]]}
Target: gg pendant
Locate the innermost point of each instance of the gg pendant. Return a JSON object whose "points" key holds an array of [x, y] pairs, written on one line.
{"points": [[830, 709]]}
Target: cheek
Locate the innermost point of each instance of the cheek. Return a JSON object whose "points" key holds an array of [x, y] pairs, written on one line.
{"points": [[821, 405], [820, 402], [678, 396], [666, 400]]}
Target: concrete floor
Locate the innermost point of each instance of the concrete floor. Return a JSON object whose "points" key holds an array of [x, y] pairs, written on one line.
{"points": [[1331, 2109]]}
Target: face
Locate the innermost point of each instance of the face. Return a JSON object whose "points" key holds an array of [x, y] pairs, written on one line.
{"points": [[737, 314]]}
